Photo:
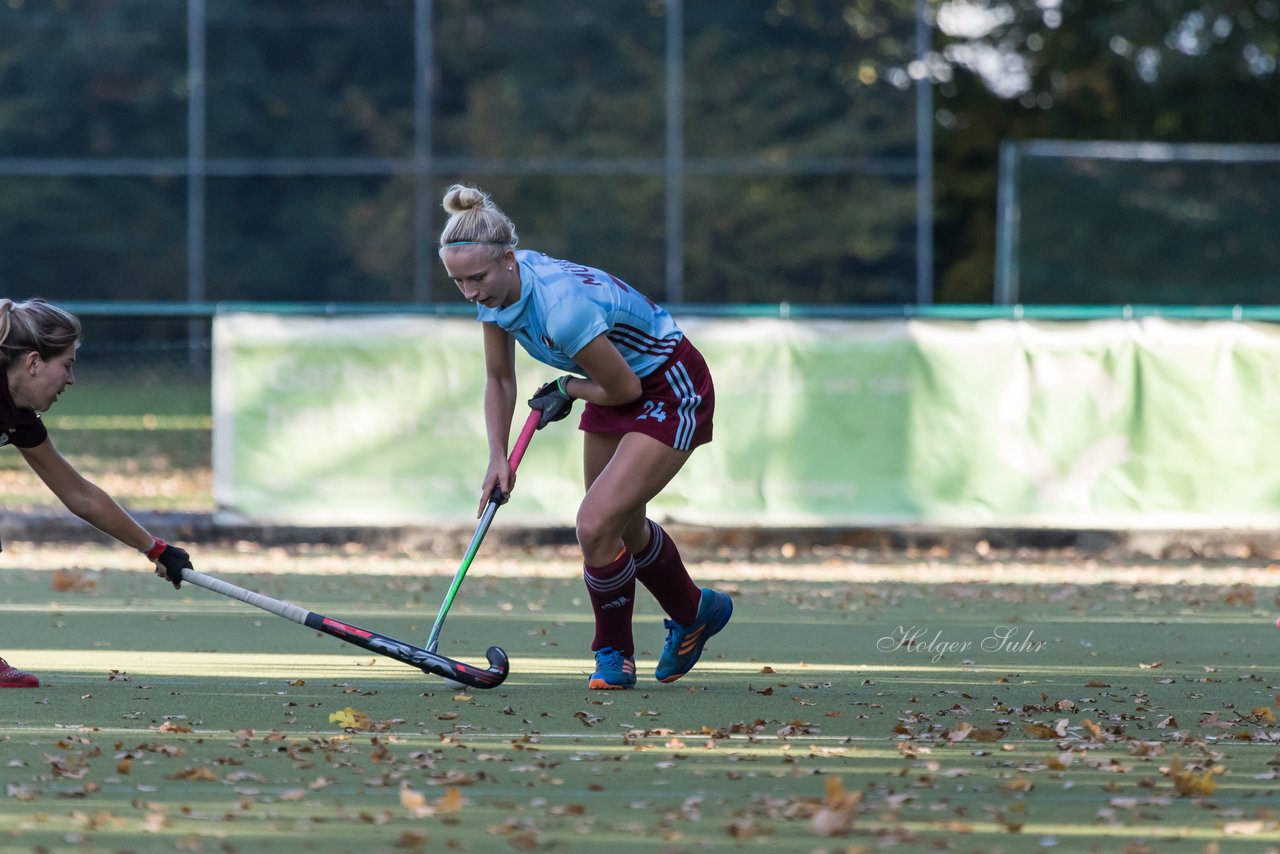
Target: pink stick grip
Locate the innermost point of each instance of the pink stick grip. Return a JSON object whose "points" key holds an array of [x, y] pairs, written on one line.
{"points": [[522, 442]]}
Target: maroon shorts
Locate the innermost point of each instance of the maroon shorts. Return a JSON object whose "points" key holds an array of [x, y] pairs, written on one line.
{"points": [[675, 405]]}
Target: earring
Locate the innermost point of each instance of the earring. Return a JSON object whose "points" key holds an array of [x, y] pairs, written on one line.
{"points": [[509, 269]]}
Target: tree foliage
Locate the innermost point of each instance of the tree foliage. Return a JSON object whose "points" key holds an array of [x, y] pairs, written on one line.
{"points": [[1172, 71], [798, 132]]}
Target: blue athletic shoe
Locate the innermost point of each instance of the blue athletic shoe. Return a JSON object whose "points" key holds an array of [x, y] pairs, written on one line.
{"points": [[684, 643], [614, 671]]}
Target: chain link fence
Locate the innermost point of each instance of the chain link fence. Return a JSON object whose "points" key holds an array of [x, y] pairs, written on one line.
{"points": [[219, 150]]}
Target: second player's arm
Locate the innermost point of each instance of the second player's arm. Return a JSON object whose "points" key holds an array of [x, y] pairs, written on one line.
{"points": [[84, 498]]}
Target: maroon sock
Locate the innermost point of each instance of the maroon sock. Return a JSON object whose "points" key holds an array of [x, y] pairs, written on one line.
{"points": [[660, 569], [612, 589]]}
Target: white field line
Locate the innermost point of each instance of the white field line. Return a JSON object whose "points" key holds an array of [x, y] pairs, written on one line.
{"points": [[265, 666], [630, 738]]}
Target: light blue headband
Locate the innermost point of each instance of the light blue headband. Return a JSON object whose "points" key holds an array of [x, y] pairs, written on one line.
{"points": [[473, 243]]}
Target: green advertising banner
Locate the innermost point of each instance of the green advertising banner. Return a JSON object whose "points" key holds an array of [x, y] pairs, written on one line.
{"points": [[1111, 424]]}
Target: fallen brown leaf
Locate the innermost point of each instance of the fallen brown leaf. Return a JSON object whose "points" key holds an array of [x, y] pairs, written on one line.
{"points": [[1193, 782], [839, 810]]}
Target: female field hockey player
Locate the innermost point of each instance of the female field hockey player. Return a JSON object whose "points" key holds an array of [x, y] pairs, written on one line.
{"points": [[648, 403], [38, 343]]}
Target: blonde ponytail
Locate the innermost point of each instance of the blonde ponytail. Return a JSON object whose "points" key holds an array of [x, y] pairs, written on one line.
{"points": [[6, 311]]}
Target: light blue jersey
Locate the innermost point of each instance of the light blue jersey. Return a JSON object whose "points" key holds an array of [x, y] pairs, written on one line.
{"points": [[563, 306]]}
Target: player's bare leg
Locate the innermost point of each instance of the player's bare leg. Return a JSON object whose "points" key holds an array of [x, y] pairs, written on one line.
{"points": [[613, 509], [623, 474]]}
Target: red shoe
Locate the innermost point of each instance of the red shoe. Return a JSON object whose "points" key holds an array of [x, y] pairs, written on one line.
{"points": [[13, 678]]}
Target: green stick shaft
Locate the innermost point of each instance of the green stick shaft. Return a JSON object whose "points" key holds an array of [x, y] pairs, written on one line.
{"points": [[495, 500]]}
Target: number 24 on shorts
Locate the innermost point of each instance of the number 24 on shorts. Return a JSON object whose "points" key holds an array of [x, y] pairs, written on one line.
{"points": [[653, 411]]}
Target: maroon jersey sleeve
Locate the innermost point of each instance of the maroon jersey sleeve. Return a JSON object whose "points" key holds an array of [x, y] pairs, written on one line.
{"points": [[27, 432]]}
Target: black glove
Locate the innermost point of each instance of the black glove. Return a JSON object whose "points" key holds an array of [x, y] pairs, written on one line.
{"points": [[553, 400], [172, 559]]}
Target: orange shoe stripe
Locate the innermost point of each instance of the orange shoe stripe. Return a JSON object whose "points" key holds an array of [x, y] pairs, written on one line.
{"points": [[689, 643], [601, 685]]}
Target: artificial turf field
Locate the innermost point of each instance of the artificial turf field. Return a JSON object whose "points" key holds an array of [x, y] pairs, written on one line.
{"points": [[854, 703]]}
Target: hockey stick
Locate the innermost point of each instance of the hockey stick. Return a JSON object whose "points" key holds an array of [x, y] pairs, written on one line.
{"points": [[427, 661], [495, 500]]}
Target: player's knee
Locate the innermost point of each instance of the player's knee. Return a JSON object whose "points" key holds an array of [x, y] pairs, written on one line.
{"points": [[596, 532]]}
